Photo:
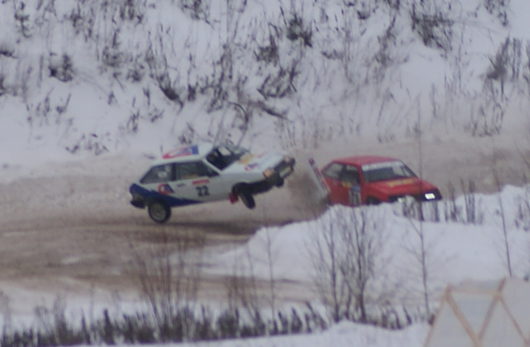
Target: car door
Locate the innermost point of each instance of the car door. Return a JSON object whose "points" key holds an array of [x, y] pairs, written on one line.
{"points": [[350, 180], [344, 184], [337, 193], [195, 181]]}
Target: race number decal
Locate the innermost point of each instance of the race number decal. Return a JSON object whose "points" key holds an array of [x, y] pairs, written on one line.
{"points": [[202, 191]]}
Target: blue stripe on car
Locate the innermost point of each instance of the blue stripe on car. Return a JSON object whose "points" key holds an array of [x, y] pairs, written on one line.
{"points": [[146, 194]]}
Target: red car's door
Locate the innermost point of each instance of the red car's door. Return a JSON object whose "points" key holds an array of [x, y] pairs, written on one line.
{"points": [[343, 183], [337, 193]]}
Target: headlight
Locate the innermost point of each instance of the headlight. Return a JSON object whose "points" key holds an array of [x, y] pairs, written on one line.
{"points": [[268, 173], [430, 196]]}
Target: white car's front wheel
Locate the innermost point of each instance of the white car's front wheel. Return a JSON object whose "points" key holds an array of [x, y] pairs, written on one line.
{"points": [[159, 211], [248, 200], [245, 196]]}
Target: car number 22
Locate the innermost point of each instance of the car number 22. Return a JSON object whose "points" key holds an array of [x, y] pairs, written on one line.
{"points": [[202, 190]]}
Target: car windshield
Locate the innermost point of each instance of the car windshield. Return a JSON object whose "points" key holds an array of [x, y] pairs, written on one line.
{"points": [[386, 171], [223, 156]]}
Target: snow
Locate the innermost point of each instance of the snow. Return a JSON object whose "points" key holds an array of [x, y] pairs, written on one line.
{"points": [[343, 98], [342, 334]]}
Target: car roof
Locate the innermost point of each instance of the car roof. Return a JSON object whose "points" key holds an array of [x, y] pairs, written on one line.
{"points": [[186, 153], [361, 160]]}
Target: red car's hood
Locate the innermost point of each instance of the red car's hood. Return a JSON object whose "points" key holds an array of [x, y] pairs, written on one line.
{"points": [[403, 186]]}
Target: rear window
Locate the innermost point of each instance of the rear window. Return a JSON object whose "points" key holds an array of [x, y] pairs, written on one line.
{"points": [[159, 174]]}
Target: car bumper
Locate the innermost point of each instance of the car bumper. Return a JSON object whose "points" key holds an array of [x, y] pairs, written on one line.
{"points": [[137, 200], [281, 171], [427, 196], [276, 177]]}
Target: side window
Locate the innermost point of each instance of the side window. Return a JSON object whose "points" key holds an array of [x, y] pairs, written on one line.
{"points": [[191, 170], [333, 171], [350, 174], [159, 174]]}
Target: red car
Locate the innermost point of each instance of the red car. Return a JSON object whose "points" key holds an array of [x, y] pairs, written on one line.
{"points": [[360, 180]]}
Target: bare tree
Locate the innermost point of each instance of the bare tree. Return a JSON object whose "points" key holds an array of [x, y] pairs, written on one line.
{"points": [[242, 289], [420, 254], [344, 259], [504, 228], [169, 278]]}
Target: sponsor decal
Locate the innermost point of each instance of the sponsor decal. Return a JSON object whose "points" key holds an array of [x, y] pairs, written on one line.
{"points": [[393, 184], [246, 159], [203, 181], [182, 152], [251, 167], [165, 189]]}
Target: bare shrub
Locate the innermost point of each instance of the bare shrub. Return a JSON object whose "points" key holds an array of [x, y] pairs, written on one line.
{"points": [[242, 291], [23, 20], [344, 260], [488, 121], [196, 9], [7, 51], [268, 53], [522, 219], [90, 142], [505, 66], [61, 67], [280, 85], [499, 9], [55, 328], [419, 249], [473, 211], [453, 212], [433, 26], [169, 280], [298, 30], [131, 10], [3, 88], [136, 71], [501, 212], [157, 61]]}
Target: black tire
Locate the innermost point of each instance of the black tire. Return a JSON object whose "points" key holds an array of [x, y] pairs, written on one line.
{"points": [[280, 182], [159, 211], [245, 196], [247, 199], [372, 201]]}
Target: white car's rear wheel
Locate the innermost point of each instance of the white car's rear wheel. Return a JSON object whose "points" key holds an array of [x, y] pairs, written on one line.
{"points": [[159, 211]]}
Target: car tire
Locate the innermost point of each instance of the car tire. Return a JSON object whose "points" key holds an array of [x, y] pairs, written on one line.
{"points": [[245, 196], [372, 201], [280, 182], [247, 199], [159, 211]]}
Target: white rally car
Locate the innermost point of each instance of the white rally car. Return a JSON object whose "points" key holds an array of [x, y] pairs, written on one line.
{"points": [[205, 172]]}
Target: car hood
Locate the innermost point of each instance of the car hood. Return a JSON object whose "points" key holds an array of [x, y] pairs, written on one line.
{"points": [[403, 186], [255, 162]]}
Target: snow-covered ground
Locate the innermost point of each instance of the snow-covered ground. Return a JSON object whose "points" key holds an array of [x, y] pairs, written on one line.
{"points": [[342, 334], [90, 91]]}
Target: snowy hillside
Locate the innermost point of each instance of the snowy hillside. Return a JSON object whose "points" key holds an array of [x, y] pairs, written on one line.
{"points": [[100, 76]]}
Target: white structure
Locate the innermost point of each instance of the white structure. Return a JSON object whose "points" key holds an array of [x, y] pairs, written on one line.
{"points": [[483, 314]]}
